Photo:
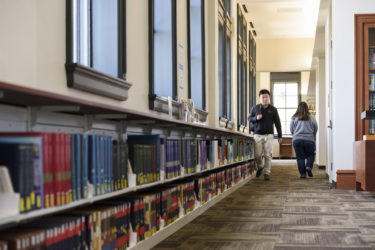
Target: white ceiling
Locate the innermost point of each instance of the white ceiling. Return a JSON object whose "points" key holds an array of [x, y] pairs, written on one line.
{"points": [[283, 18]]}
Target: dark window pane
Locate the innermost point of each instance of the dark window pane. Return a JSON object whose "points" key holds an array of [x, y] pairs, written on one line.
{"points": [[104, 36], [228, 6], [228, 78], [221, 77], [163, 69], [239, 89]]}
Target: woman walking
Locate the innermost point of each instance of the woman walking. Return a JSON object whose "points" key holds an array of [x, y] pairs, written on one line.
{"points": [[303, 128]]}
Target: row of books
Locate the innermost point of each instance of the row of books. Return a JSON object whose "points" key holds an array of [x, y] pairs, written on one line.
{"points": [[53, 169], [153, 157], [109, 224]]}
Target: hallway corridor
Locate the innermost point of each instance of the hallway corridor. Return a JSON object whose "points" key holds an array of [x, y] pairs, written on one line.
{"points": [[284, 213]]}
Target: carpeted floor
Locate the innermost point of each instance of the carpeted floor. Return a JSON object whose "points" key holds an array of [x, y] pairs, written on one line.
{"points": [[284, 213]]}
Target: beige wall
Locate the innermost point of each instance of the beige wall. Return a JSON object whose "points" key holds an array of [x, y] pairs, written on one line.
{"points": [[284, 54], [32, 49]]}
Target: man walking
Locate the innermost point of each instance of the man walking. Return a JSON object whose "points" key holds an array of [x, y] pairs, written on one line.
{"points": [[262, 118]]}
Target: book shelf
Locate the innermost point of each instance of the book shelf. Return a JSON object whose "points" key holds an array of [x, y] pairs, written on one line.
{"points": [[364, 101], [26, 109]]}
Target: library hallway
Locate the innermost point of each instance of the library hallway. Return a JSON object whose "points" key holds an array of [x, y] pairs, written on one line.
{"points": [[284, 213]]}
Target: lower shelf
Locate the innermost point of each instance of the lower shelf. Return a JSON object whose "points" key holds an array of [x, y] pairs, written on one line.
{"points": [[178, 224]]}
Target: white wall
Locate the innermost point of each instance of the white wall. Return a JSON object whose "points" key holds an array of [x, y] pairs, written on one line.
{"points": [[284, 54], [343, 78], [321, 148]]}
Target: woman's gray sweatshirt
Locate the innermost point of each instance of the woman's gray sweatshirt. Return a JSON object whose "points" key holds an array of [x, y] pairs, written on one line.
{"points": [[304, 130]]}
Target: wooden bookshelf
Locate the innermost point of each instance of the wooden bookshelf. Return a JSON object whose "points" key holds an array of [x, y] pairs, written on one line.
{"points": [[364, 100]]}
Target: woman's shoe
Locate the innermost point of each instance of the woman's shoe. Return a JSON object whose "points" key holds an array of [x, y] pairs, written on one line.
{"points": [[303, 177], [308, 170]]}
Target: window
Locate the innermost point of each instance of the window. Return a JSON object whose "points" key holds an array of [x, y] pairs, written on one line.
{"points": [[96, 54], [196, 52], [285, 97], [252, 71], [242, 104], [225, 84], [163, 48]]}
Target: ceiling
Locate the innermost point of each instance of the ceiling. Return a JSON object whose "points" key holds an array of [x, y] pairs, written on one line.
{"points": [[283, 18]]}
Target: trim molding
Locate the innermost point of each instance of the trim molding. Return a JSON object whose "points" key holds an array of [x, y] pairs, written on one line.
{"points": [[91, 80]]}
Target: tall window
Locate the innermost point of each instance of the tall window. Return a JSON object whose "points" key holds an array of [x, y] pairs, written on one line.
{"points": [[285, 98], [252, 71], [225, 84], [163, 47], [96, 47], [98, 35], [196, 53], [242, 104]]}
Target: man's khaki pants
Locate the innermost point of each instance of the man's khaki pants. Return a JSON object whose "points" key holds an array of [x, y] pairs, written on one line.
{"points": [[263, 147]]}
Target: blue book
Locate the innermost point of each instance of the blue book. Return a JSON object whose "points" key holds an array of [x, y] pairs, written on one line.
{"points": [[35, 183], [98, 163], [19, 159], [74, 166], [79, 166], [110, 163], [85, 166], [102, 165], [92, 162]]}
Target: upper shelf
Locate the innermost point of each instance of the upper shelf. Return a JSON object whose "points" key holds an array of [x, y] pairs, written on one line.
{"points": [[24, 96]]}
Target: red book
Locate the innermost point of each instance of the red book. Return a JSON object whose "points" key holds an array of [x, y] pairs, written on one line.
{"points": [[56, 168], [68, 169]]}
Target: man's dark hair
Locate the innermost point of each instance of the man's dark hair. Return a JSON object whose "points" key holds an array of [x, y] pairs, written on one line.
{"points": [[264, 91]]}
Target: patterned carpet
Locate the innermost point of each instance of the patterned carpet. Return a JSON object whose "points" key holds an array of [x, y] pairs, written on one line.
{"points": [[285, 213]]}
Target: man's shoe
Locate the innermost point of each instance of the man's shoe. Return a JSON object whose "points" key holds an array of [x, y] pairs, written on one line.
{"points": [[266, 177], [302, 176], [309, 173], [259, 172]]}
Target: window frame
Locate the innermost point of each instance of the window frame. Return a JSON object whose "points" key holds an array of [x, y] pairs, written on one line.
{"points": [[225, 21], [252, 71], [242, 79], [158, 102], [87, 78], [203, 40]]}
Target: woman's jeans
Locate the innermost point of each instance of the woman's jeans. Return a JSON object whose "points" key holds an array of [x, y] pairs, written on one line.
{"points": [[305, 149]]}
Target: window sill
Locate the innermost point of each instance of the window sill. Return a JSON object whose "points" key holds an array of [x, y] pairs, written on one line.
{"points": [[88, 79], [202, 115], [224, 122], [243, 129], [160, 104]]}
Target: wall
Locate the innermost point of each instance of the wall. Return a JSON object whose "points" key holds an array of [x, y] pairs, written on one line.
{"points": [[263, 81], [343, 78], [284, 54], [32, 50], [321, 148]]}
